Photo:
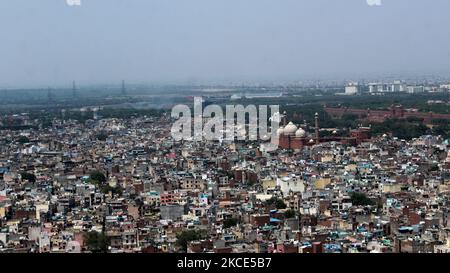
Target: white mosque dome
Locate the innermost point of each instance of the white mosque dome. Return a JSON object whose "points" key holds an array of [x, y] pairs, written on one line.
{"points": [[280, 131], [290, 129], [300, 133]]}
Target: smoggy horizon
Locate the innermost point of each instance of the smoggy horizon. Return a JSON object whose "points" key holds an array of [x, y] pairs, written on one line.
{"points": [[50, 43]]}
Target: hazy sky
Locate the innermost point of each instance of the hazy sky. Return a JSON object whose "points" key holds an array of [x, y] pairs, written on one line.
{"points": [[47, 42]]}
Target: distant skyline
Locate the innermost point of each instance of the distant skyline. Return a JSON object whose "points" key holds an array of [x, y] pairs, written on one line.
{"points": [[50, 43]]}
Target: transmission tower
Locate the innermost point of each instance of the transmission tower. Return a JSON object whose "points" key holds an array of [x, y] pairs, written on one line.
{"points": [[124, 91], [74, 89]]}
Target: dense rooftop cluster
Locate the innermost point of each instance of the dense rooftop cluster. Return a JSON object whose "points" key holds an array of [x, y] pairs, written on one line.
{"points": [[123, 185]]}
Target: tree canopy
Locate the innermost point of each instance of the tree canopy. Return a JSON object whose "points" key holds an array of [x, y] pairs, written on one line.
{"points": [[279, 204], [360, 199], [230, 222], [28, 176], [186, 236], [23, 140], [290, 213], [97, 176], [96, 242]]}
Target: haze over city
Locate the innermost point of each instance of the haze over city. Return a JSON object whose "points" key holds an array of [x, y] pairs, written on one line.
{"points": [[49, 43]]}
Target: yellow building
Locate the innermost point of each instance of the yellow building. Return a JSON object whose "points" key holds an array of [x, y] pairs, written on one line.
{"points": [[351, 168], [41, 208], [443, 188], [326, 158], [392, 188], [322, 183], [269, 183]]}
